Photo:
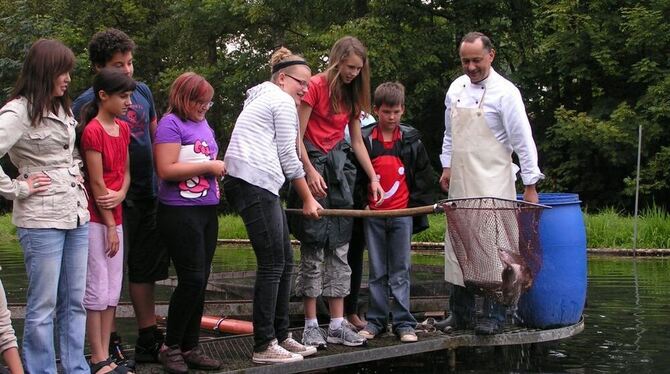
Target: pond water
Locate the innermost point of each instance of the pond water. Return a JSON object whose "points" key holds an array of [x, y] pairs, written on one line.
{"points": [[626, 317]]}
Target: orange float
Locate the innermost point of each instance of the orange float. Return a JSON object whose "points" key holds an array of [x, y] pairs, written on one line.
{"points": [[227, 325], [221, 324]]}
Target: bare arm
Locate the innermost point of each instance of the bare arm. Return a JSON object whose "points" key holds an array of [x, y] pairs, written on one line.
{"points": [[95, 178], [310, 207], [13, 360], [114, 198], [166, 156], [364, 160], [314, 180]]}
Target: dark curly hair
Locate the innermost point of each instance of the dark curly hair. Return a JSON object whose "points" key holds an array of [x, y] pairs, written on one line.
{"points": [[105, 44]]}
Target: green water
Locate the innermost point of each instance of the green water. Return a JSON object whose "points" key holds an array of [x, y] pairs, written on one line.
{"points": [[627, 323]]}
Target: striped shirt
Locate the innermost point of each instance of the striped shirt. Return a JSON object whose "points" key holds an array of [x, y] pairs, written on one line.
{"points": [[262, 149]]}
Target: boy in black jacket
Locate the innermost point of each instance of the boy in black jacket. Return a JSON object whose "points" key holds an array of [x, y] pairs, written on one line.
{"points": [[402, 166]]}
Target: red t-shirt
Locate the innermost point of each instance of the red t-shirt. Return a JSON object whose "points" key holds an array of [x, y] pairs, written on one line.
{"points": [[114, 150], [385, 158], [324, 129]]}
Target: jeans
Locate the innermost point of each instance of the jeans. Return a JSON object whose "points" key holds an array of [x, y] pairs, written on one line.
{"points": [[190, 234], [266, 226], [462, 306], [355, 260], [389, 243], [56, 266]]}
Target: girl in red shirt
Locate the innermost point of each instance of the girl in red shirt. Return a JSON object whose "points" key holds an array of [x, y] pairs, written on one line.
{"points": [[334, 99], [104, 144]]}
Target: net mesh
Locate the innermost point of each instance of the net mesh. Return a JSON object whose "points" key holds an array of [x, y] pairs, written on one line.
{"points": [[496, 243]]}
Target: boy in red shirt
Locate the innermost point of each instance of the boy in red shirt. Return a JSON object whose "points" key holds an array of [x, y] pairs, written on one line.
{"points": [[402, 166]]}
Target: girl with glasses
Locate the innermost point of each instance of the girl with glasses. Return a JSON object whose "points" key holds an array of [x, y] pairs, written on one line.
{"points": [[263, 153], [185, 153]]}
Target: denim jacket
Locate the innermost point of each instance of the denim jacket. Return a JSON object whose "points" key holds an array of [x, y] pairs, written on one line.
{"points": [[47, 148]]}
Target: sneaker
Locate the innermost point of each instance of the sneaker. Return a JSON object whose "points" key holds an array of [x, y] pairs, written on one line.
{"points": [[172, 360], [313, 337], [274, 354], [408, 336], [367, 334], [293, 346], [196, 359], [345, 335]]}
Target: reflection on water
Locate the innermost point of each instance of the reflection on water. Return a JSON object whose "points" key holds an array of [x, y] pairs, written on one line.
{"points": [[626, 317]]}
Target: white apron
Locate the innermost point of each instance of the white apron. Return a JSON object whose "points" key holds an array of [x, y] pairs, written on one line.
{"points": [[480, 166]]}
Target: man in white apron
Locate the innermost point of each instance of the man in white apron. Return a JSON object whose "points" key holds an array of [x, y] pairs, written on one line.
{"points": [[485, 121]]}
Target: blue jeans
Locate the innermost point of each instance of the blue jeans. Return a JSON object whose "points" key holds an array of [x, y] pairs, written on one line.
{"points": [[266, 225], [56, 266], [389, 242]]}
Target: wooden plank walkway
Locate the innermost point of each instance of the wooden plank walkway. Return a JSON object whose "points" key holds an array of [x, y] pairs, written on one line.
{"points": [[236, 351]]}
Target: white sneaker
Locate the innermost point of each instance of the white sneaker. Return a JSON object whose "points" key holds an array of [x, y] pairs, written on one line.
{"points": [[293, 346], [408, 336], [345, 335], [275, 354], [313, 337]]}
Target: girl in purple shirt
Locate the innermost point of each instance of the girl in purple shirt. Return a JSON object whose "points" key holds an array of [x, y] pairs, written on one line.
{"points": [[185, 154]]}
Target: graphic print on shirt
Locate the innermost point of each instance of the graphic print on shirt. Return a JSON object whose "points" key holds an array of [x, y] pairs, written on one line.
{"points": [[388, 166], [134, 119], [396, 183], [197, 186]]}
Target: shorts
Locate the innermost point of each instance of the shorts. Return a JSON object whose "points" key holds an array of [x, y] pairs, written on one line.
{"points": [[104, 275], [148, 259]]}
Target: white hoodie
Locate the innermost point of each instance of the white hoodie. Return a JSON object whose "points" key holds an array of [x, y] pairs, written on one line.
{"points": [[262, 149]]}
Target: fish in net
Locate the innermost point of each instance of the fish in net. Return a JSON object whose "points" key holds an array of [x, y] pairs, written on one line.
{"points": [[497, 245]]}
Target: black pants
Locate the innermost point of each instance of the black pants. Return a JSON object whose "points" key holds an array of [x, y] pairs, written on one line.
{"points": [[355, 260], [265, 221], [190, 234]]}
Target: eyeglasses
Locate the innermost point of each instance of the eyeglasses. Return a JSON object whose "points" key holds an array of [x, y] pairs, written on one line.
{"points": [[303, 84], [207, 105]]}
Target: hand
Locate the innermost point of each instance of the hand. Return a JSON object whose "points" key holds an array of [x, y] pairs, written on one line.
{"points": [[445, 178], [530, 194], [377, 192], [111, 200], [38, 183], [217, 168], [310, 208], [317, 186], [112, 241]]}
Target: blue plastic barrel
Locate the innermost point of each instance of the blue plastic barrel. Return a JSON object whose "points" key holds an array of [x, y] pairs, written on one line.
{"points": [[558, 293]]}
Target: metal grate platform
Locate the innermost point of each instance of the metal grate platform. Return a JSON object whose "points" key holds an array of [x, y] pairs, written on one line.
{"points": [[236, 351]]}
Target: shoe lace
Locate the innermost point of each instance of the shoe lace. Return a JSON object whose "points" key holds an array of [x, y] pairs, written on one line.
{"points": [[348, 333]]}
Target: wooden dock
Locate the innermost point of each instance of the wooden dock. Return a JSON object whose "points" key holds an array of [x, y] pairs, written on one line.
{"points": [[236, 351]]}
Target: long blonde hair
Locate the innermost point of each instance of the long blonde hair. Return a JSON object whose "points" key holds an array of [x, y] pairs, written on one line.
{"points": [[355, 96]]}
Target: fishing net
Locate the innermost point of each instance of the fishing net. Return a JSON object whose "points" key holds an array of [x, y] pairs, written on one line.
{"points": [[496, 243]]}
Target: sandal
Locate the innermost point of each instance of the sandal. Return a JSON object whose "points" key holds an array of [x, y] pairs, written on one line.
{"points": [[101, 365]]}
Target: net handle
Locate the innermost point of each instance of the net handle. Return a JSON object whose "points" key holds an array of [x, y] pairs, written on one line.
{"points": [[520, 202], [407, 212]]}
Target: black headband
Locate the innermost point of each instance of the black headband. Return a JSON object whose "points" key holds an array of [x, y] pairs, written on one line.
{"points": [[285, 64]]}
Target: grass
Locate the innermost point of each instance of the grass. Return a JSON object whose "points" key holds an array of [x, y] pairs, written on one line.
{"points": [[606, 229]]}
